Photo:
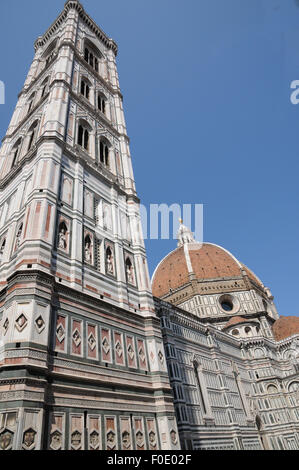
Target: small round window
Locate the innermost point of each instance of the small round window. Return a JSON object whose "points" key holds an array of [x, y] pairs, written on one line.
{"points": [[229, 303]]}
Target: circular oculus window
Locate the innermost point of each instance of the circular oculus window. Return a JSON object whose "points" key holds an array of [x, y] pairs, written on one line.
{"points": [[229, 304]]}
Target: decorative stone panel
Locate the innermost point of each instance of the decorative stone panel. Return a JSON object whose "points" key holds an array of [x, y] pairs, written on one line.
{"points": [[142, 355], [110, 433], [119, 349], [125, 433], [131, 352], [106, 345]]}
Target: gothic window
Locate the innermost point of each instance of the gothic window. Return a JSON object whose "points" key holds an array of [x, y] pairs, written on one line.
{"points": [[32, 133], [2, 247], [31, 100], [294, 387], [272, 389], [44, 87], [104, 153], [18, 236], [50, 52], [83, 136], [16, 151], [101, 103], [91, 58], [85, 89], [50, 57]]}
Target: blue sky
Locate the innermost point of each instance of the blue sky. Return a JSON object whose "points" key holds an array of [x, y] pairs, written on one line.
{"points": [[206, 87]]}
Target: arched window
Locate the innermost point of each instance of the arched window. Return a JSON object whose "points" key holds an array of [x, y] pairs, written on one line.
{"points": [[91, 59], [50, 51], [101, 103], [294, 386], [30, 104], [85, 89], [2, 247], [44, 87], [18, 236], [272, 389], [32, 133], [83, 135], [104, 152], [92, 56], [16, 152]]}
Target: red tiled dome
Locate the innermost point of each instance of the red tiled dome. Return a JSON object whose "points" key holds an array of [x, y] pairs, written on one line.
{"points": [[206, 261], [285, 326]]}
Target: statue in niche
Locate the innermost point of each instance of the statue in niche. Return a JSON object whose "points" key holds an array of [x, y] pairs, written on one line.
{"points": [[129, 271], [62, 242], [2, 248], [88, 250], [19, 236], [109, 262]]}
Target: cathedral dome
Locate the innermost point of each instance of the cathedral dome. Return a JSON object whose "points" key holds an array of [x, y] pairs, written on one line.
{"points": [[285, 327], [198, 261]]}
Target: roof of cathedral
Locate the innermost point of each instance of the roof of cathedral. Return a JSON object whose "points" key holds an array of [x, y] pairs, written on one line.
{"points": [[285, 326], [204, 261], [238, 320]]}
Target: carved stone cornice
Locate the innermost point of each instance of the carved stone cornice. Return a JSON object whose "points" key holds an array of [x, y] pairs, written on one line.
{"points": [[74, 4]]}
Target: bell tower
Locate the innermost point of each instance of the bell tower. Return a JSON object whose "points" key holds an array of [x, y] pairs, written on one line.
{"points": [[82, 363]]}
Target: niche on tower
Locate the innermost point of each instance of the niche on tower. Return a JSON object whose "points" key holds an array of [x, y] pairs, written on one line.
{"points": [[88, 247], [110, 259], [130, 269], [63, 240]]}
